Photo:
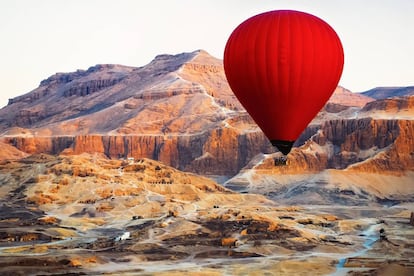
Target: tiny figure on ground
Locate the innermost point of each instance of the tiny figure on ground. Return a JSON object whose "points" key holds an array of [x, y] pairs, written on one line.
{"points": [[383, 237]]}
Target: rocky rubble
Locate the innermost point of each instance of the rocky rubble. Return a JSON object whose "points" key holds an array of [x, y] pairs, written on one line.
{"points": [[87, 214]]}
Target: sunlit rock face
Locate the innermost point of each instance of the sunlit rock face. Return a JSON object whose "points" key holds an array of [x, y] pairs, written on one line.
{"points": [[389, 92], [363, 156], [176, 109], [97, 176], [88, 214], [179, 109]]}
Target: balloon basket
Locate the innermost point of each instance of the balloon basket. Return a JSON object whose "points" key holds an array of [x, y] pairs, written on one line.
{"points": [[280, 161]]}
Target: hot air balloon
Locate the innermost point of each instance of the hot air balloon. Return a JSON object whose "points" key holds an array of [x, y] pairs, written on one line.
{"points": [[283, 66]]}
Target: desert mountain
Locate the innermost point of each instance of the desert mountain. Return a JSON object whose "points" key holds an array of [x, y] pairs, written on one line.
{"points": [[179, 109], [186, 93], [90, 179], [343, 96], [175, 109], [389, 92]]}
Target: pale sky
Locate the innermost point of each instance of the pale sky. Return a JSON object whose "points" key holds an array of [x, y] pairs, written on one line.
{"points": [[42, 37]]}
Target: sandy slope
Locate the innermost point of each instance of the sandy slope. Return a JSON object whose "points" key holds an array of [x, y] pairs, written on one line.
{"points": [[88, 214]]}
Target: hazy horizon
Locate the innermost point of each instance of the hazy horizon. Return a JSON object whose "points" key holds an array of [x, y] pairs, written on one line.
{"points": [[41, 38]]}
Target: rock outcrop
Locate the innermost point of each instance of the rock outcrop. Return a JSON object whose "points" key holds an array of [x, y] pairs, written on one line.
{"points": [[389, 92], [392, 105], [9, 152], [58, 212], [180, 110], [345, 97], [101, 190], [345, 161], [339, 143], [221, 151]]}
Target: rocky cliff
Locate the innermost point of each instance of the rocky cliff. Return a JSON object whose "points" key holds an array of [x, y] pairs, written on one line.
{"points": [[101, 190], [180, 110], [349, 160], [343, 96], [389, 92], [219, 151], [225, 151]]}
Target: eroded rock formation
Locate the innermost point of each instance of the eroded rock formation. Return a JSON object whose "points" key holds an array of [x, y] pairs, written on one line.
{"points": [[180, 110]]}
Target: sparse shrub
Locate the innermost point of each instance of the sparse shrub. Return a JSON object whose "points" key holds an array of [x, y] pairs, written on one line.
{"points": [[64, 181]]}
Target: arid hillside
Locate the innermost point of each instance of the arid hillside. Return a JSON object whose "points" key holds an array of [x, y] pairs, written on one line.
{"points": [[87, 214], [389, 92], [179, 110], [100, 174], [367, 156]]}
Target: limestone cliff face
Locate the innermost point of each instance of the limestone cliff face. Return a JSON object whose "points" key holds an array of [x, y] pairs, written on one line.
{"points": [[225, 152], [351, 138], [348, 161], [89, 87], [361, 145], [397, 158], [32, 145], [220, 152], [179, 109], [391, 105], [366, 145]]}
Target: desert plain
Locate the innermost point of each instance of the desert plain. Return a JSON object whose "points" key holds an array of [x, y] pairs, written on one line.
{"points": [[90, 215]]}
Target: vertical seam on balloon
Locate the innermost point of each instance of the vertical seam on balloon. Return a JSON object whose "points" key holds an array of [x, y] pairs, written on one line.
{"points": [[327, 34], [279, 72], [312, 44], [285, 117], [268, 63], [303, 25], [244, 60], [311, 64], [293, 47], [277, 34], [288, 51], [255, 53], [299, 70], [267, 55], [260, 62], [267, 24], [242, 33]]}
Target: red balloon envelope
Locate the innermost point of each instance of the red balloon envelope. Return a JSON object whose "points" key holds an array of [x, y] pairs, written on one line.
{"points": [[283, 66]]}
